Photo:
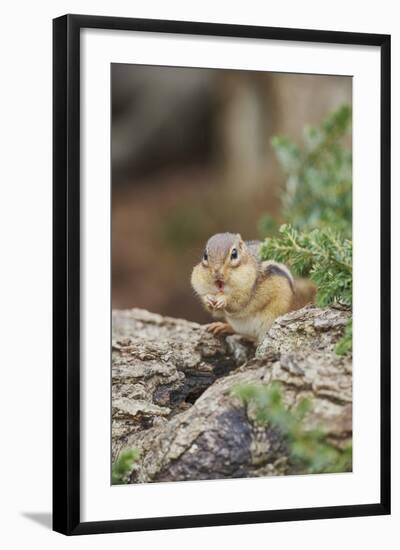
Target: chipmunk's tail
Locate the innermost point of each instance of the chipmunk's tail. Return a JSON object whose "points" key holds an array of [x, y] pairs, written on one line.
{"points": [[304, 293]]}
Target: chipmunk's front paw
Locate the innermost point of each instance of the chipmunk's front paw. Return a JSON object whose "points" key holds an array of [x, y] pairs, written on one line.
{"points": [[215, 302], [210, 301], [220, 303], [220, 328]]}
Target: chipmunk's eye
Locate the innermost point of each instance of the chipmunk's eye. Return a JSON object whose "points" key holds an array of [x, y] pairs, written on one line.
{"points": [[234, 254], [205, 256]]}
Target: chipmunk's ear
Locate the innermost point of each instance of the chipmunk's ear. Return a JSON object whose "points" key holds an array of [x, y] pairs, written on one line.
{"points": [[239, 238]]}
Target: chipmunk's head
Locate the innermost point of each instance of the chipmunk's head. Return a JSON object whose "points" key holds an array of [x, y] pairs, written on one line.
{"points": [[226, 263]]}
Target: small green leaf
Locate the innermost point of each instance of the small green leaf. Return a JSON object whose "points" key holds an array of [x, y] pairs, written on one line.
{"points": [[123, 466]]}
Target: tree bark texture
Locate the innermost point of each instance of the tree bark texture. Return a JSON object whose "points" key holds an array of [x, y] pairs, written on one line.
{"points": [[171, 384]]}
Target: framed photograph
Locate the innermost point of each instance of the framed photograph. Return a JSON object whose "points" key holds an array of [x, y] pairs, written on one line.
{"points": [[221, 355]]}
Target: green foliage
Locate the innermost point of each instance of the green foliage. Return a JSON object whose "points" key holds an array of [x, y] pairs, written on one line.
{"points": [[123, 465], [317, 192], [309, 450], [323, 255], [345, 343], [317, 203]]}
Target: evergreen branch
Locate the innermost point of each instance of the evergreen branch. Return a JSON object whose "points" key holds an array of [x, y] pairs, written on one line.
{"points": [[345, 343], [321, 254], [123, 466], [309, 450], [317, 192]]}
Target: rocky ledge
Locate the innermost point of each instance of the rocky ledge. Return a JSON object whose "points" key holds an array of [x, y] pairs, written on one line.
{"points": [[171, 393]]}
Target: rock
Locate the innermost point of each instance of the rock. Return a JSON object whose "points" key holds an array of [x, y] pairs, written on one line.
{"points": [[172, 399], [160, 366]]}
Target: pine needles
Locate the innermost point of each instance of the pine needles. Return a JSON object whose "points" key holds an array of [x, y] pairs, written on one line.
{"points": [[309, 449], [320, 254], [316, 201], [317, 191], [123, 466]]}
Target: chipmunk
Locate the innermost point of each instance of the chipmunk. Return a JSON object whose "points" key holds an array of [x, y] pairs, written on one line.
{"points": [[235, 284]]}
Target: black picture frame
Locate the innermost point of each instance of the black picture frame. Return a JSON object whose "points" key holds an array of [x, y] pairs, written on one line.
{"points": [[66, 273]]}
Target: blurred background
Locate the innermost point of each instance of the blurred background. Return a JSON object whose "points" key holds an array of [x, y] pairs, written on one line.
{"points": [[192, 156]]}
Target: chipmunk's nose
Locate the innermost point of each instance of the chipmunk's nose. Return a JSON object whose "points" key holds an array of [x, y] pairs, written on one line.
{"points": [[218, 275], [219, 279]]}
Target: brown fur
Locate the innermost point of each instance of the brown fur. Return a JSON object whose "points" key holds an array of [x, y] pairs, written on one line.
{"points": [[248, 293], [304, 293]]}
